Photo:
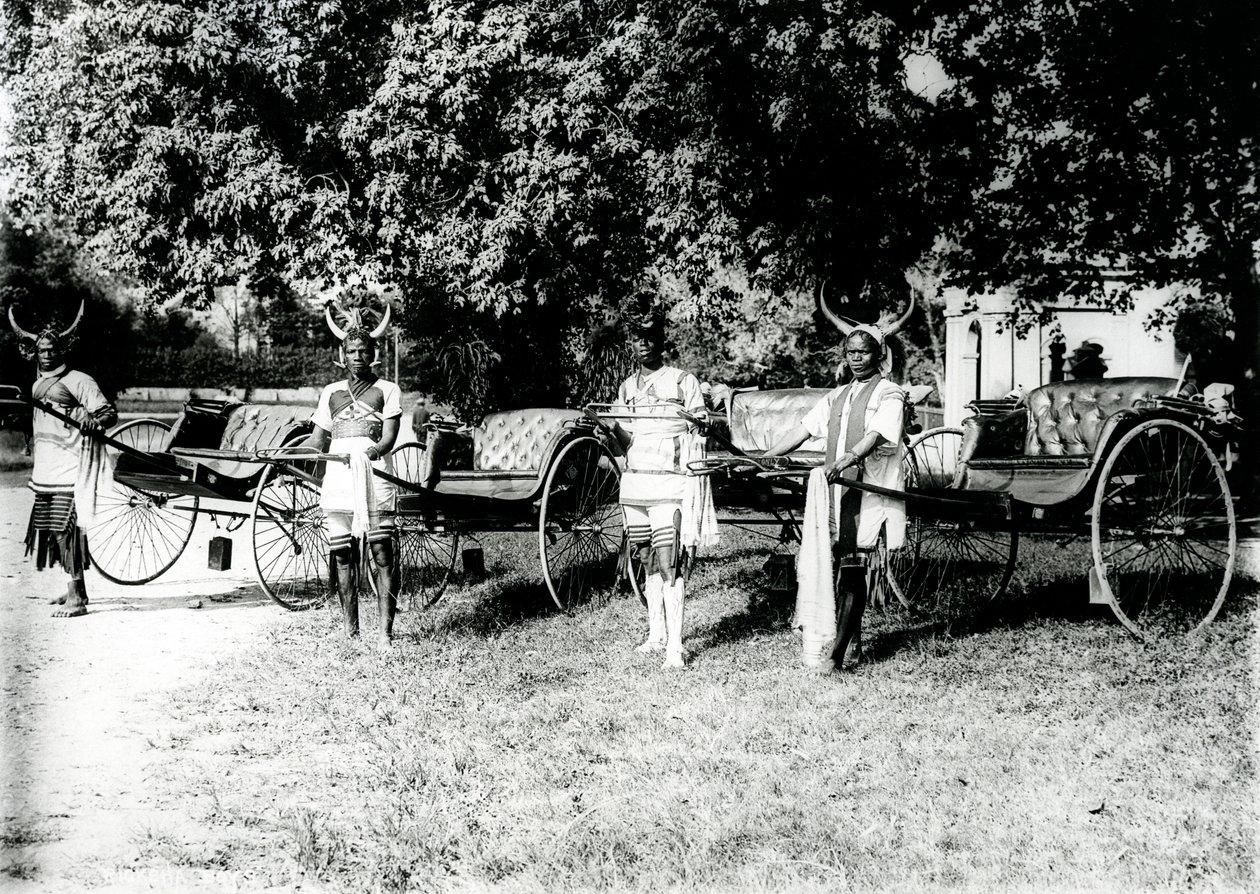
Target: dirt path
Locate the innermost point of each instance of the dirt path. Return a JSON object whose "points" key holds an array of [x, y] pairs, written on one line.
{"points": [[83, 703]]}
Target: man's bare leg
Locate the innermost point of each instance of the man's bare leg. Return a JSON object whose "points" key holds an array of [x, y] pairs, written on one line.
{"points": [[386, 590], [347, 590], [851, 604]]}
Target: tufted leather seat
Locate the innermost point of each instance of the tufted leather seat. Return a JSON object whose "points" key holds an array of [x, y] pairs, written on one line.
{"points": [[253, 426], [511, 451], [1060, 428], [518, 440], [759, 418], [1067, 418]]}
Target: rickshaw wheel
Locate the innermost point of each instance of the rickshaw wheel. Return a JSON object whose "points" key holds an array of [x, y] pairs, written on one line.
{"points": [[138, 535], [290, 539], [426, 558], [580, 522], [945, 562], [1163, 526]]}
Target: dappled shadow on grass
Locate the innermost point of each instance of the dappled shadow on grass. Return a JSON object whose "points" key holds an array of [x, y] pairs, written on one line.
{"points": [[1060, 599], [903, 632], [765, 612], [488, 608]]}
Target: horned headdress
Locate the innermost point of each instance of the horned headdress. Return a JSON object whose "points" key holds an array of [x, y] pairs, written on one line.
{"points": [[63, 337], [357, 324], [884, 332]]}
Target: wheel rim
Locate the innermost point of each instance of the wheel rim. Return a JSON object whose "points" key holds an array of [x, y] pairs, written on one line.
{"points": [[1163, 525], [410, 462], [580, 523], [934, 453], [290, 540], [426, 560], [944, 563], [636, 573], [137, 535], [426, 557]]}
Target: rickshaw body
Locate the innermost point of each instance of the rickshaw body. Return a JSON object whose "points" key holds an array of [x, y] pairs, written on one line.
{"points": [[146, 517], [540, 471], [1123, 464]]}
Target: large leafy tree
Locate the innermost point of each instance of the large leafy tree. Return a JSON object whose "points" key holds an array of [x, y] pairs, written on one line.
{"points": [[1083, 138], [513, 169]]}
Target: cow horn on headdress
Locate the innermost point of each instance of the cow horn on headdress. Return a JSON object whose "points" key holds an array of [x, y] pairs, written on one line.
{"points": [[28, 340], [356, 325], [68, 332], [380, 330], [18, 330], [332, 324], [883, 331]]}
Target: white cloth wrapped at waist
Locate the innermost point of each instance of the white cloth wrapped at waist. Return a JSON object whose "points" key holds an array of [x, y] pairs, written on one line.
{"points": [[342, 493]]}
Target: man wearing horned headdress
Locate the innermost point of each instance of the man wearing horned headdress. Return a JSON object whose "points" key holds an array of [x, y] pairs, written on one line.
{"points": [[863, 422], [359, 416], [66, 456], [668, 513]]}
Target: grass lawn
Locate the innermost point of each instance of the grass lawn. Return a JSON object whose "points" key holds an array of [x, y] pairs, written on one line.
{"points": [[502, 744]]}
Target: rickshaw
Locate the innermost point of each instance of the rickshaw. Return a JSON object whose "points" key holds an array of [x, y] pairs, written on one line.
{"points": [[540, 471], [1128, 463]]}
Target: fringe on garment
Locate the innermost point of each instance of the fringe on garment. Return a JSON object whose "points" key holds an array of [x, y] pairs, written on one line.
{"points": [[53, 535], [699, 518]]}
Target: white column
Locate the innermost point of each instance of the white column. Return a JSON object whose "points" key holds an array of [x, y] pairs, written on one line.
{"points": [[961, 358], [997, 346]]}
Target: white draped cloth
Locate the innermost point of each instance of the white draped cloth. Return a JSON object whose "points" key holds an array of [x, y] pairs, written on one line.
{"points": [[96, 474], [815, 574]]}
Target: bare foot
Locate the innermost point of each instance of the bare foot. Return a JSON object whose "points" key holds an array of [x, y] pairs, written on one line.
{"points": [[57, 600], [649, 646], [674, 658], [71, 610]]}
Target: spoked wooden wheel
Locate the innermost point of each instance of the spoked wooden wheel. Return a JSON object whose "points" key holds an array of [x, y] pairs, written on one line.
{"points": [[290, 538], [934, 455], [947, 562], [138, 535], [426, 557], [1164, 532], [426, 560], [580, 524]]}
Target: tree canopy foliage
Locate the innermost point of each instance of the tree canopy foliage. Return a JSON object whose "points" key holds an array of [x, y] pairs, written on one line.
{"points": [[513, 170]]}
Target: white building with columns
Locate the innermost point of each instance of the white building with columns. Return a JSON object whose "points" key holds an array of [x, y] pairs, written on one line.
{"points": [[985, 358]]}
